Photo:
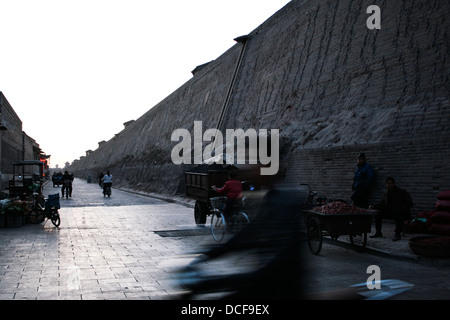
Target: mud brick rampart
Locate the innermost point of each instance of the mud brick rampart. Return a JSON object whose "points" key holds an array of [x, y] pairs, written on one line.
{"points": [[332, 86]]}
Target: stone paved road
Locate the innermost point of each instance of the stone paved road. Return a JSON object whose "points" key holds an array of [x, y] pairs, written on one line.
{"points": [[105, 248], [115, 248]]}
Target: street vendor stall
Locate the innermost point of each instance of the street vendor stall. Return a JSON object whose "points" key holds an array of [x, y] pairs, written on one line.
{"points": [[28, 177], [336, 219]]}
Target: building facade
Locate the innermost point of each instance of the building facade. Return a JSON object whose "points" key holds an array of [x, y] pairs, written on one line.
{"points": [[15, 144]]}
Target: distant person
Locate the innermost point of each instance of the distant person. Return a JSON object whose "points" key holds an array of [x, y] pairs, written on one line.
{"points": [[67, 184], [396, 204], [362, 182], [107, 181]]}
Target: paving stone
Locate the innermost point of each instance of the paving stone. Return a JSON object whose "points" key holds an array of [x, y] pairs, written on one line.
{"points": [[98, 252], [109, 252]]}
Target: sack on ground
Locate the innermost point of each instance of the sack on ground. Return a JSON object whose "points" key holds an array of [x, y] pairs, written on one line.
{"points": [[440, 217], [444, 195], [440, 229], [443, 205]]}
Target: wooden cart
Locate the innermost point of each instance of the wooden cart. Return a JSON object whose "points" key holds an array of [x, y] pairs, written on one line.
{"points": [[27, 178], [355, 225], [198, 186]]}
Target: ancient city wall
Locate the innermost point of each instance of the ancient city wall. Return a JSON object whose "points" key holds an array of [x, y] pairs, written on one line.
{"points": [[329, 84]]}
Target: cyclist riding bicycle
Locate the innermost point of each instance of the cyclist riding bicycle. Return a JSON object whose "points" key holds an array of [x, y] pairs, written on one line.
{"points": [[233, 191], [107, 181]]}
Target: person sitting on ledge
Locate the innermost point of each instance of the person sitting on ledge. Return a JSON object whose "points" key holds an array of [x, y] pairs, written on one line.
{"points": [[396, 204]]}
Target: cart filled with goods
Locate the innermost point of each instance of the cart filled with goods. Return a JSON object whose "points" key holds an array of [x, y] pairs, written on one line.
{"points": [[336, 219]]}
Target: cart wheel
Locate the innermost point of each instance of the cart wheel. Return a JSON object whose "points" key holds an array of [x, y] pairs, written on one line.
{"points": [[314, 234], [200, 210], [359, 241]]}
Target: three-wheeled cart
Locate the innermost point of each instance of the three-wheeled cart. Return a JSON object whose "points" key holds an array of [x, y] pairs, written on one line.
{"points": [[199, 180], [198, 186], [27, 178], [355, 225], [57, 179]]}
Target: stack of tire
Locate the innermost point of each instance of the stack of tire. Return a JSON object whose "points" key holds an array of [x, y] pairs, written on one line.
{"points": [[439, 220]]}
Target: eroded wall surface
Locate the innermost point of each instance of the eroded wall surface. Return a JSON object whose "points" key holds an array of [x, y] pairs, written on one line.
{"points": [[332, 87]]}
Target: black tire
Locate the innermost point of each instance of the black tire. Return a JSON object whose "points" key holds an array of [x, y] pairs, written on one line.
{"points": [[238, 222], [56, 220], [314, 234], [200, 212], [38, 217]]}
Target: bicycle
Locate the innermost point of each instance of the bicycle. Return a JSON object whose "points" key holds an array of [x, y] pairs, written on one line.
{"points": [[219, 224], [316, 201], [49, 210], [107, 190]]}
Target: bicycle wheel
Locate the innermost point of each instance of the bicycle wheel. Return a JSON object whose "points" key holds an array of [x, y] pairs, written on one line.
{"points": [[56, 220], [218, 226], [37, 217], [238, 222]]}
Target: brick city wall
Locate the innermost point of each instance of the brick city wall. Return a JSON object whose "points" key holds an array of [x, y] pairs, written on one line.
{"points": [[328, 83], [420, 167]]}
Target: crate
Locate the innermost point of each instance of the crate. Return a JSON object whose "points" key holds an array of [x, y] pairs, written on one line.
{"points": [[52, 202]]}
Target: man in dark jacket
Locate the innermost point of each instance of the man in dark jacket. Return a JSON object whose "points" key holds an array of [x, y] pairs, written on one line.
{"points": [[396, 204], [67, 184], [362, 182]]}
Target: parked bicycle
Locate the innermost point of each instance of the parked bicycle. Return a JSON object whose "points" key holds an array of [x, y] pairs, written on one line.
{"points": [[220, 225], [314, 200], [45, 208]]}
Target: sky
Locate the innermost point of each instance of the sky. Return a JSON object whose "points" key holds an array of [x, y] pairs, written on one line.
{"points": [[75, 70]]}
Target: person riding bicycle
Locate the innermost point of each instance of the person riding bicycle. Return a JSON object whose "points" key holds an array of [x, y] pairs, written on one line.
{"points": [[67, 184], [107, 181], [233, 191]]}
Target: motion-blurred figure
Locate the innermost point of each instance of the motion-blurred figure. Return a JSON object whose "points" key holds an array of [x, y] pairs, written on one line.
{"points": [[276, 233]]}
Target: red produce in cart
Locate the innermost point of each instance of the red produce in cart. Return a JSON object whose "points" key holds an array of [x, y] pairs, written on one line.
{"points": [[335, 219]]}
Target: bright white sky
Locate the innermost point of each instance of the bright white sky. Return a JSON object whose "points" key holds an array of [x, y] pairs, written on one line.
{"points": [[75, 70]]}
